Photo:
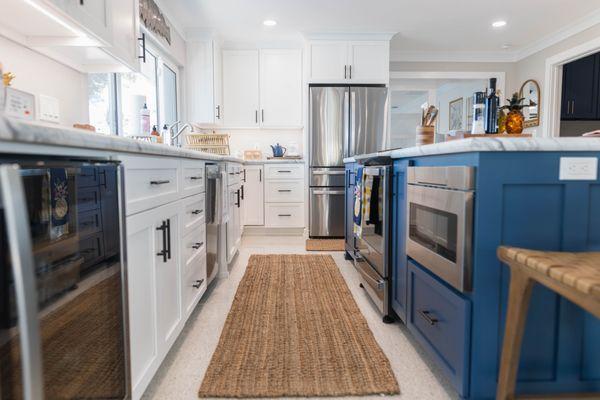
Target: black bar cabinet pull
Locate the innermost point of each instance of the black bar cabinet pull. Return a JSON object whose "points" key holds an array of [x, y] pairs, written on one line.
{"points": [[163, 252], [426, 315], [160, 182], [196, 246], [198, 283], [196, 212], [345, 73], [351, 72], [143, 41], [284, 190], [196, 178], [169, 238], [238, 199], [218, 112], [242, 192], [260, 175], [256, 116], [285, 215]]}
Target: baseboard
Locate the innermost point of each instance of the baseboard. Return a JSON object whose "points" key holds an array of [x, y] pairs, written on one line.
{"points": [[265, 231]]}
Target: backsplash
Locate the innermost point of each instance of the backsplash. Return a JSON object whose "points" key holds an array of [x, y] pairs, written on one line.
{"points": [[262, 140]]}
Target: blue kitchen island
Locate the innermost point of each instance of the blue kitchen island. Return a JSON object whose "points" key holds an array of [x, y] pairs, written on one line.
{"points": [[521, 196]]}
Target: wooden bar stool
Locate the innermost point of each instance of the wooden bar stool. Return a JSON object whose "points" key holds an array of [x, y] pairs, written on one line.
{"points": [[575, 276]]}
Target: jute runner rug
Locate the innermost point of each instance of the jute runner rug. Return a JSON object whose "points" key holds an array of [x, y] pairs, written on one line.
{"points": [[295, 330], [325, 245]]}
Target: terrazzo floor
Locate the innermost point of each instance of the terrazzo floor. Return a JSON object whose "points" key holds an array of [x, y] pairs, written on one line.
{"points": [[182, 371]]}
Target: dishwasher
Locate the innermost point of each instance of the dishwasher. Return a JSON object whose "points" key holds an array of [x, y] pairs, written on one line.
{"points": [[214, 219]]}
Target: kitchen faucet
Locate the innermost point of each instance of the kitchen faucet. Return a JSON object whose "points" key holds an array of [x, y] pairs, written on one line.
{"points": [[174, 141]]}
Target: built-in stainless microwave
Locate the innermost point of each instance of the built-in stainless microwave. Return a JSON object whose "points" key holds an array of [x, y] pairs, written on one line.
{"points": [[440, 221]]}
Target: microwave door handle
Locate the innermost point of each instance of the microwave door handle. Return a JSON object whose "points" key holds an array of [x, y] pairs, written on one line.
{"points": [[12, 196]]}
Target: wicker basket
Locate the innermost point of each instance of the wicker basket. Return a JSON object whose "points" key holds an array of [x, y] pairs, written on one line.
{"points": [[213, 143], [207, 139], [218, 150]]}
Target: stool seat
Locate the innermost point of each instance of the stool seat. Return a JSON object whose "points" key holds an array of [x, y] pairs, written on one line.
{"points": [[579, 271], [575, 276]]}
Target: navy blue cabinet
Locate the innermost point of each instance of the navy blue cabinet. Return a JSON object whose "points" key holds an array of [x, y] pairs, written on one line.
{"points": [[519, 201], [349, 209], [580, 89]]}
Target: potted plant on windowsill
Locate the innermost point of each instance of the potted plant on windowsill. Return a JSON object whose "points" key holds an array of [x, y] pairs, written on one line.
{"points": [[515, 118]]}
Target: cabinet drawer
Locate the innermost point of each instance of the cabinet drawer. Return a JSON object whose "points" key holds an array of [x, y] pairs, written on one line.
{"points": [[193, 246], [284, 215], [150, 183], [284, 191], [194, 210], [192, 177], [194, 284], [284, 171], [234, 174], [441, 321]]}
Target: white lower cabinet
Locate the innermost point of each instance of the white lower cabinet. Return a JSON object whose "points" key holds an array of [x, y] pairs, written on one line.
{"points": [[234, 233], [284, 196], [285, 215], [154, 289], [253, 210], [166, 258]]}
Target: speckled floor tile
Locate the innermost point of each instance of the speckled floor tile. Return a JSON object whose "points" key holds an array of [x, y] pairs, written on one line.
{"points": [[181, 373]]}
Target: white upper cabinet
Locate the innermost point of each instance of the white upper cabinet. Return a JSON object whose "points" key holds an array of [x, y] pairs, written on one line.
{"points": [[94, 15], [125, 27], [262, 88], [349, 61], [328, 61], [204, 80], [369, 62], [240, 88], [281, 88]]}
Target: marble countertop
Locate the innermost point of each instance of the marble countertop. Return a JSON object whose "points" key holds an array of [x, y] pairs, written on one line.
{"points": [[17, 131], [280, 161], [474, 145]]}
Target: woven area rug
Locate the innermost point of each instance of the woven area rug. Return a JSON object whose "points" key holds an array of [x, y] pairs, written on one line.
{"points": [[295, 330], [325, 245]]}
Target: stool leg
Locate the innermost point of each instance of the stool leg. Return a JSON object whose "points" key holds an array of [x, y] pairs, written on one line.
{"points": [[516, 316]]}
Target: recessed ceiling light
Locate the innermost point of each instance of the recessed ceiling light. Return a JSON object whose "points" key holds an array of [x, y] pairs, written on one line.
{"points": [[506, 46], [269, 22], [498, 24]]}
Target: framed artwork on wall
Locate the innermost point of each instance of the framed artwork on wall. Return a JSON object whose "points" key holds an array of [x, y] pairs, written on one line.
{"points": [[455, 114]]}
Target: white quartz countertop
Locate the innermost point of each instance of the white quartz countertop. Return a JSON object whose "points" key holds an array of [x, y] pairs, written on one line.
{"points": [[15, 131], [474, 145], [279, 161]]}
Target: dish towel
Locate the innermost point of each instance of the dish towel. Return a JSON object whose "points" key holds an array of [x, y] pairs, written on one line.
{"points": [[357, 214]]}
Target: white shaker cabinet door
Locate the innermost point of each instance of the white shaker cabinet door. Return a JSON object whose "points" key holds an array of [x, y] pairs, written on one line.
{"points": [[369, 62], [254, 196], [281, 88], [240, 88], [328, 61], [93, 15], [154, 290]]}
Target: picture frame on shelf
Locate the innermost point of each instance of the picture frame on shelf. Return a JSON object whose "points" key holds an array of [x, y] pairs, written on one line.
{"points": [[455, 114]]}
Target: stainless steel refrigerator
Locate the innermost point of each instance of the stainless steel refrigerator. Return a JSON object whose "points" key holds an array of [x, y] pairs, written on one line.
{"points": [[344, 121]]}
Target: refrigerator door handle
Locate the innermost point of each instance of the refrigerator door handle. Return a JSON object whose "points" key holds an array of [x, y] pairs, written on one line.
{"points": [[12, 196], [347, 124]]}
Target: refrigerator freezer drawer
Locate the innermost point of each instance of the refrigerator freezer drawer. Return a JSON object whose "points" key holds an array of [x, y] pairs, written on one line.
{"points": [[327, 177], [327, 212]]}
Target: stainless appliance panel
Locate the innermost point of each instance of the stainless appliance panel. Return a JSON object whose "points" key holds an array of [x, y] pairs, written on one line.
{"points": [[327, 177], [377, 288], [89, 302], [327, 212], [439, 232], [368, 120], [328, 126], [213, 220], [457, 178]]}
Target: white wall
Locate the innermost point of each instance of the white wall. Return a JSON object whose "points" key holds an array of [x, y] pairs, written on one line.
{"points": [[38, 74]]}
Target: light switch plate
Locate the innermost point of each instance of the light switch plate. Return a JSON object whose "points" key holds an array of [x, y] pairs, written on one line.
{"points": [[49, 109], [19, 104], [578, 169]]}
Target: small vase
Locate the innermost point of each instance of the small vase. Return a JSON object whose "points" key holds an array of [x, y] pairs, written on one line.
{"points": [[514, 122]]}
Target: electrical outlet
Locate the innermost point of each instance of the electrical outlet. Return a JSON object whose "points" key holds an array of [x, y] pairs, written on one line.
{"points": [[49, 109], [578, 169]]}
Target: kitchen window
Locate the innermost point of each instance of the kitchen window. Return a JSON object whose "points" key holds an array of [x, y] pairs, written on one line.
{"points": [[116, 100]]}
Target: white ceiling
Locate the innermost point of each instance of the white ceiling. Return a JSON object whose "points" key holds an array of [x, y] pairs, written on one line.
{"points": [[422, 26]]}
